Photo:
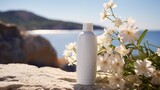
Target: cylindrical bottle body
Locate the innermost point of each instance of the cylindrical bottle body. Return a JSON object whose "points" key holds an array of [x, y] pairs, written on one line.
{"points": [[86, 58]]}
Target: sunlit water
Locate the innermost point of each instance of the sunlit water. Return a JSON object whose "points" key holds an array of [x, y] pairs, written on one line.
{"points": [[59, 38]]}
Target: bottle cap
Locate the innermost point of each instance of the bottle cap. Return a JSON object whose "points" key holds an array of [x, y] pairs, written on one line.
{"points": [[87, 27]]}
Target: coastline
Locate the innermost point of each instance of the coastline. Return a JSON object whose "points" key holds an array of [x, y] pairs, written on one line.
{"points": [[59, 38]]}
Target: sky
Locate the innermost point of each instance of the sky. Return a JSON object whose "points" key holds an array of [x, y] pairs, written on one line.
{"points": [[145, 12]]}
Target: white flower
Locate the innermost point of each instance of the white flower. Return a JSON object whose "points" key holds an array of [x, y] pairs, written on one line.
{"points": [[101, 39], [144, 68], [71, 46], [110, 4], [118, 22], [116, 81], [104, 40], [70, 53], [72, 59], [117, 63], [103, 62], [134, 79], [128, 33], [109, 50], [122, 50], [156, 78], [100, 48], [104, 14], [158, 51], [66, 54], [109, 30], [130, 20]]}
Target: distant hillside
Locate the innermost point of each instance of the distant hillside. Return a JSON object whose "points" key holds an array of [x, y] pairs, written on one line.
{"points": [[30, 21]]}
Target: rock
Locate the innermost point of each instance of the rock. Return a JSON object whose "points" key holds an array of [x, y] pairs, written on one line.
{"points": [[17, 46], [9, 30], [10, 44], [28, 77], [39, 51]]}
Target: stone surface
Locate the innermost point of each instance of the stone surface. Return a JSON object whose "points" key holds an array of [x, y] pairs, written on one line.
{"points": [[28, 77], [17, 46]]}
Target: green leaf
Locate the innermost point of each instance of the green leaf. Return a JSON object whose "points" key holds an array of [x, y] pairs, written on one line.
{"points": [[141, 37], [129, 45], [146, 49], [152, 51]]}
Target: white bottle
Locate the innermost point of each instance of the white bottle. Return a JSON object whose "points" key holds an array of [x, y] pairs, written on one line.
{"points": [[86, 55]]}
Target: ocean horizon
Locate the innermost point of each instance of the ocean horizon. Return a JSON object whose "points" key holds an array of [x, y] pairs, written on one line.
{"points": [[60, 38]]}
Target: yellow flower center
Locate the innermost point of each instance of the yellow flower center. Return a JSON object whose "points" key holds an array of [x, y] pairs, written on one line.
{"points": [[105, 62], [128, 32], [143, 68], [118, 64], [123, 51]]}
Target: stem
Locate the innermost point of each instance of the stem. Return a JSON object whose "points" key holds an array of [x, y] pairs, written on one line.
{"points": [[113, 37], [148, 44], [139, 50], [115, 33], [112, 13], [110, 19], [154, 45]]}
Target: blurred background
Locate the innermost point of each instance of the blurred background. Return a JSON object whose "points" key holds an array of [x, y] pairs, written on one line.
{"points": [[145, 12], [58, 22]]}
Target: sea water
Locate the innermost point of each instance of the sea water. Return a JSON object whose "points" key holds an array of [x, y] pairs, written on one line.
{"points": [[60, 38]]}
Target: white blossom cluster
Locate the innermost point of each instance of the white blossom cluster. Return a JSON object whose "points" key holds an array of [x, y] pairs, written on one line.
{"points": [[118, 63], [70, 53]]}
